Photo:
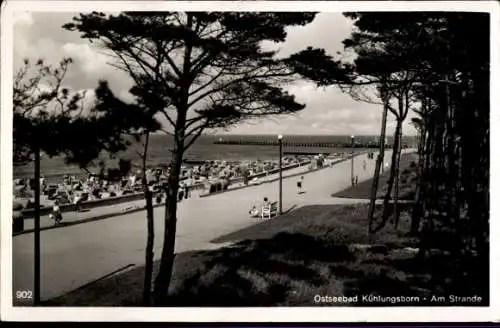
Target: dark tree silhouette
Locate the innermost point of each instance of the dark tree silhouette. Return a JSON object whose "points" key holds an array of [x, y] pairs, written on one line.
{"points": [[384, 55], [139, 122], [449, 85], [52, 119], [204, 70]]}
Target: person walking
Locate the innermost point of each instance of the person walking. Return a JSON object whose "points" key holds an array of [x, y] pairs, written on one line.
{"points": [[159, 197], [42, 183], [300, 185], [56, 213], [77, 201], [181, 193]]}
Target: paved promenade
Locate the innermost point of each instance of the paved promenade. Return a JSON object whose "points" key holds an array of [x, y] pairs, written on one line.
{"points": [[78, 254], [73, 217]]}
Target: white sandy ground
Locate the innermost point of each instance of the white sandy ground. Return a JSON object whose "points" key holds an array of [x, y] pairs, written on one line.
{"points": [[75, 255]]}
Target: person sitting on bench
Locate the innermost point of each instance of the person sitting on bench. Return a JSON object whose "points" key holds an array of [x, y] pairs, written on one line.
{"points": [[266, 202], [267, 208], [254, 212]]}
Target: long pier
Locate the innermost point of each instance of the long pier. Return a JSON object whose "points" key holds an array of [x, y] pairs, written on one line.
{"points": [[298, 144], [295, 141]]}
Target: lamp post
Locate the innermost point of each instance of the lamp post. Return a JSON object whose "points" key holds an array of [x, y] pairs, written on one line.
{"points": [[352, 160], [36, 285], [280, 141]]}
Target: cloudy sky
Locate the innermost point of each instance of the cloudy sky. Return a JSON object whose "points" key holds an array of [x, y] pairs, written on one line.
{"points": [[328, 110]]}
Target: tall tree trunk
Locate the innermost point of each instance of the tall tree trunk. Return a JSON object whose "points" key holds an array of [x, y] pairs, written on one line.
{"points": [[378, 164], [164, 276], [417, 210], [148, 272], [476, 165], [404, 106], [438, 156], [433, 173], [397, 176], [390, 183], [453, 178]]}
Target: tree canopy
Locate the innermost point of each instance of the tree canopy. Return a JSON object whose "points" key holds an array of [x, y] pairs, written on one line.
{"points": [[210, 66], [203, 70], [448, 68], [52, 118]]}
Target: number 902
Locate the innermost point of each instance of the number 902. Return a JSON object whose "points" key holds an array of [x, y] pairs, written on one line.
{"points": [[24, 294]]}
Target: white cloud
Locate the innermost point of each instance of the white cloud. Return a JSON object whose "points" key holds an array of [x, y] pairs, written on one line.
{"points": [[328, 110], [89, 60], [43, 48]]}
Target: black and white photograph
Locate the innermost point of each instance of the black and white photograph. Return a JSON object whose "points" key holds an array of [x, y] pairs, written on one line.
{"points": [[316, 157]]}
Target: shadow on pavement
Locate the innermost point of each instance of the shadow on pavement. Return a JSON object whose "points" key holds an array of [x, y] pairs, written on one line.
{"points": [[64, 224], [255, 231]]}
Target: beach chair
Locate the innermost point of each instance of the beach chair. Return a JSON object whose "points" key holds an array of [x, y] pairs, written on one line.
{"points": [[266, 211], [269, 210]]}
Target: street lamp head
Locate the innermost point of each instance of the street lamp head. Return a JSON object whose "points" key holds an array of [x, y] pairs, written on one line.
{"points": [[352, 137], [280, 137]]}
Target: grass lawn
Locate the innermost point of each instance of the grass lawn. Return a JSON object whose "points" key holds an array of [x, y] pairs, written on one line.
{"points": [[286, 261], [363, 189]]}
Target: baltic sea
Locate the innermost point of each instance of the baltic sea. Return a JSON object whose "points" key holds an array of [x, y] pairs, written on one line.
{"points": [[203, 149]]}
